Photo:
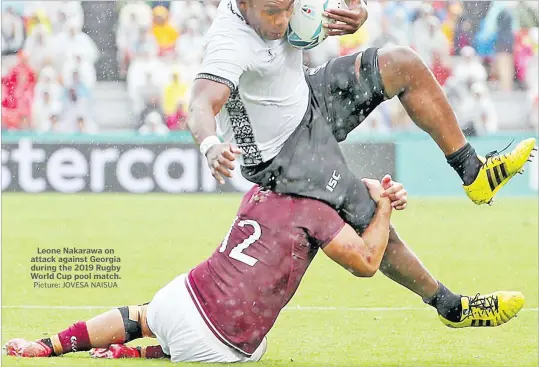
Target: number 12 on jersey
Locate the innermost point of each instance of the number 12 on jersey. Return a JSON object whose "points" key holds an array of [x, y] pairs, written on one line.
{"points": [[237, 252]]}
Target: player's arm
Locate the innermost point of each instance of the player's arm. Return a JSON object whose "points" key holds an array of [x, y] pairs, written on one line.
{"points": [[221, 69], [206, 100], [362, 255]]}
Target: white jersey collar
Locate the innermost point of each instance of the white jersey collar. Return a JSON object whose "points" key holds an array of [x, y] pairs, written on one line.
{"points": [[233, 8]]}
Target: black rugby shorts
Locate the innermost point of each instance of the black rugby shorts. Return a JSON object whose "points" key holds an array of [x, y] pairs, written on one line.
{"points": [[311, 163]]}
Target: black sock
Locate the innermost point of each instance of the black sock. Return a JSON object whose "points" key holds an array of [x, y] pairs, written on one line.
{"points": [[466, 163], [446, 303]]}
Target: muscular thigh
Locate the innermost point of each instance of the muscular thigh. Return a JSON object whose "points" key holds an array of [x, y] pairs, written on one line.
{"points": [[344, 98]]}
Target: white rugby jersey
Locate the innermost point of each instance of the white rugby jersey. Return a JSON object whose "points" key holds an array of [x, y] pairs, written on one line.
{"points": [[269, 93]]}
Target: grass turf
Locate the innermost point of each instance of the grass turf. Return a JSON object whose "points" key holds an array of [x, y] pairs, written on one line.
{"points": [[471, 249]]}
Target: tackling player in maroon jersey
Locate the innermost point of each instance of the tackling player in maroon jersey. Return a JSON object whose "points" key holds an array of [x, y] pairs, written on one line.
{"points": [[222, 309]]}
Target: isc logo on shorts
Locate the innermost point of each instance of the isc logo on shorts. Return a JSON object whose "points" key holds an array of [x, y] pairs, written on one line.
{"points": [[333, 181]]}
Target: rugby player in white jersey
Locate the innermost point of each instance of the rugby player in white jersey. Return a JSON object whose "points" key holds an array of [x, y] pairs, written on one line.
{"points": [[283, 123]]}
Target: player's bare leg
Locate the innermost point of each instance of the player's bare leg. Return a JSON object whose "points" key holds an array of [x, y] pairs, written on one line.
{"points": [[114, 327], [404, 267], [405, 75]]}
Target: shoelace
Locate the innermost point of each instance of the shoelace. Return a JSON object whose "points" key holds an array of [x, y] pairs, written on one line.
{"points": [[496, 154], [483, 305]]}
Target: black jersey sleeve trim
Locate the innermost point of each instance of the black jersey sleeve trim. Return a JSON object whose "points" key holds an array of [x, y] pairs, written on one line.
{"points": [[218, 79]]}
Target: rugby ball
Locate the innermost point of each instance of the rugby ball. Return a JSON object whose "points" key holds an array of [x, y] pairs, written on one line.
{"points": [[305, 29]]}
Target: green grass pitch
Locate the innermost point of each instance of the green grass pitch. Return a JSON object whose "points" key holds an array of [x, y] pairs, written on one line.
{"points": [[334, 319]]}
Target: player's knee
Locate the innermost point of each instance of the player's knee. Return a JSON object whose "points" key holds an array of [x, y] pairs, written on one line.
{"points": [[135, 324], [399, 55], [399, 67]]}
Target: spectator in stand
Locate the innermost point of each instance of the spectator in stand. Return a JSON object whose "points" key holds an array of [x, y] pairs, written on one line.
{"points": [[504, 63], [528, 14], [376, 9], [175, 91], [75, 42], [478, 113], [49, 81], [52, 124], [16, 7], [85, 70], [60, 22], [433, 48], [449, 24], [165, 34], [43, 108], [183, 11], [420, 23], [153, 124], [80, 87], [12, 31], [177, 121], [126, 38], [463, 35], [153, 105], [351, 43], [142, 11], [59, 12], [469, 69], [145, 46], [39, 47], [17, 92], [85, 125], [31, 7], [189, 47], [532, 79], [210, 8], [391, 31], [523, 51], [133, 35], [475, 11], [392, 7], [154, 4], [74, 107], [143, 82], [534, 111], [38, 19]]}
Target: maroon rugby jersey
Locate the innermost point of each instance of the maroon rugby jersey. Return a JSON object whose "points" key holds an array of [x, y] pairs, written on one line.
{"points": [[256, 270]]}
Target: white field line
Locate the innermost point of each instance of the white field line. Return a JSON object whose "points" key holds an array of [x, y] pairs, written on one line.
{"points": [[288, 308]]}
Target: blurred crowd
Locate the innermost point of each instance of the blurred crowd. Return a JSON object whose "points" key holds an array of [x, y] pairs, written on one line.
{"points": [[472, 47], [159, 51], [47, 67]]}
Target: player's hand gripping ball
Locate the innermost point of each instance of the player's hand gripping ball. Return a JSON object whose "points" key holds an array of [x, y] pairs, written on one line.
{"points": [[306, 29], [314, 20]]}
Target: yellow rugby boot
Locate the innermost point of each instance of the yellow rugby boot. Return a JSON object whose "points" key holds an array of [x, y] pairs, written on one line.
{"points": [[487, 310], [497, 170]]}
